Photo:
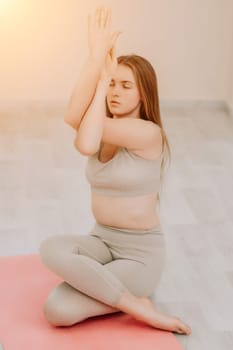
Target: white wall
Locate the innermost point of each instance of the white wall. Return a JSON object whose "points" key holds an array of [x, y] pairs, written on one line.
{"points": [[189, 43]]}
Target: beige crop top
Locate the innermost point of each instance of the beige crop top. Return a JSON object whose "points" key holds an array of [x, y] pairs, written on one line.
{"points": [[126, 174]]}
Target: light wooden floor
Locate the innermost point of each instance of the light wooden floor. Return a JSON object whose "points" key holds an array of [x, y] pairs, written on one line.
{"points": [[43, 191]]}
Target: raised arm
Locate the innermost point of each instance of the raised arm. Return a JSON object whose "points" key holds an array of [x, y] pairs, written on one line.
{"points": [[100, 42], [89, 136], [83, 92], [91, 129], [133, 133]]}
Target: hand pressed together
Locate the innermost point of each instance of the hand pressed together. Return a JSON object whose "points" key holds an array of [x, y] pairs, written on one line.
{"points": [[101, 43]]}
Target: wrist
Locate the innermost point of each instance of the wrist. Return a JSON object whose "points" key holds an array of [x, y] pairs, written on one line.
{"points": [[104, 81], [98, 60]]}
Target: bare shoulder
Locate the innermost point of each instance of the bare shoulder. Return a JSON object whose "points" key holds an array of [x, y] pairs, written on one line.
{"points": [[153, 149], [132, 133]]}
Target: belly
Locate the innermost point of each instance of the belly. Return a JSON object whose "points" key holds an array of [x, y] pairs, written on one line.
{"points": [[126, 212]]}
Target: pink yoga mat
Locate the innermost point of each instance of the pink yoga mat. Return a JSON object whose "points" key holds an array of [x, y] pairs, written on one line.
{"points": [[25, 284]]}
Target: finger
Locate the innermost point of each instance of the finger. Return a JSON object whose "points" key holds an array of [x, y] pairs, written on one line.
{"points": [[113, 54], [102, 17], [108, 18], [97, 15], [111, 41], [114, 38], [107, 10], [104, 12], [110, 52], [113, 51], [89, 23]]}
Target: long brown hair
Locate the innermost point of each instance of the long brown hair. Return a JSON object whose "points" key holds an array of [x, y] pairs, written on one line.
{"points": [[146, 80]]}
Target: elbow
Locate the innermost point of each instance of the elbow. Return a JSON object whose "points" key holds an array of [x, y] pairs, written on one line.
{"points": [[71, 120], [83, 149], [67, 117], [68, 120]]}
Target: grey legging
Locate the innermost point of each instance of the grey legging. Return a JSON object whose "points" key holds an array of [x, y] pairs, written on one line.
{"points": [[98, 267]]}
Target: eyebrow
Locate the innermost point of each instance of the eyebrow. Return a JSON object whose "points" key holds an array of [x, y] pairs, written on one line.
{"points": [[124, 81]]}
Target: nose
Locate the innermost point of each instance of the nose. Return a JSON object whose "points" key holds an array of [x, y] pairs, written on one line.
{"points": [[115, 90]]}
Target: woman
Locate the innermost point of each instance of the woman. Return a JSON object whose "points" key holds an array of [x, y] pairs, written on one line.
{"points": [[119, 263]]}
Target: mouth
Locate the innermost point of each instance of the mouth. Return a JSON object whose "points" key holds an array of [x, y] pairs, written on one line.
{"points": [[114, 103]]}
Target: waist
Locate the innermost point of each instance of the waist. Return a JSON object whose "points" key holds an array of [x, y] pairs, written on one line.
{"points": [[155, 230], [138, 213]]}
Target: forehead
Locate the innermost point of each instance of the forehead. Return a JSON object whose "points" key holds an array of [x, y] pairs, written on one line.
{"points": [[123, 73]]}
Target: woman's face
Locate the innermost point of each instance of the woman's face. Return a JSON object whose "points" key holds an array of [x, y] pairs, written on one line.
{"points": [[123, 89]]}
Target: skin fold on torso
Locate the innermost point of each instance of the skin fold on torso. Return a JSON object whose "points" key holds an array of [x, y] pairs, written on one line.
{"points": [[138, 212]]}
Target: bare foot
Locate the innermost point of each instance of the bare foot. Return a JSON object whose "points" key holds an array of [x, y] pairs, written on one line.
{"points": [[143, 309], [161, 320]]}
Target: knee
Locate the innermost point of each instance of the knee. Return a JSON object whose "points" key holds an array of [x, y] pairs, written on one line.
{"points": [[56, 314]]}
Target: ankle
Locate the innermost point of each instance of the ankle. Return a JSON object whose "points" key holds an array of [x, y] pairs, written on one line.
{"points": [[127, 299]]}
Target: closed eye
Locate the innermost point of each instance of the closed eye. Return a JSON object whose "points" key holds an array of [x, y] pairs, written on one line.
{"points": [[125, 86]]}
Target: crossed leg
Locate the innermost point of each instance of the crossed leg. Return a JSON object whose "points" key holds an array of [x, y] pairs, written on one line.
{"points": [[66, 306], [93, 282]]}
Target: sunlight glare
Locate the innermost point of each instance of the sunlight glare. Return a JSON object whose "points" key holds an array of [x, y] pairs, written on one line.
{"points": [[6, 5]]}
